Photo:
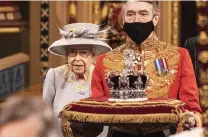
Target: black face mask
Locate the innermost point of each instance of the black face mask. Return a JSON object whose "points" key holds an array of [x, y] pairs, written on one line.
{"points": [[138, 31]]}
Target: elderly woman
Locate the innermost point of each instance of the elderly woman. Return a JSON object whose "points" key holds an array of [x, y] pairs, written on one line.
{"points": [[71, 82]]}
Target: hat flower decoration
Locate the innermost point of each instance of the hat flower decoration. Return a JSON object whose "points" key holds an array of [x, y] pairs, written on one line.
{"points": [[80, 34]]}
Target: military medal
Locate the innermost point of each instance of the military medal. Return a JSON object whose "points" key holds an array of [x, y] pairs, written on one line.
{"points": [[161, 66]]}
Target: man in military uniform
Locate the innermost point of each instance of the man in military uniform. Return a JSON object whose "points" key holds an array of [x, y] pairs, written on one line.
{"points": [[168, 67]]}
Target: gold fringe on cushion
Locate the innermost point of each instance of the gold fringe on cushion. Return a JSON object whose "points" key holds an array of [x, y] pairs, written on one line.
{"points": [[121, 107], [118, 118], [66, 129], [183, 116]]}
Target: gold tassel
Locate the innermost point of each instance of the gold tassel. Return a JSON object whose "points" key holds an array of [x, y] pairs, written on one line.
{"points": [[198, 119], [118, 118]]}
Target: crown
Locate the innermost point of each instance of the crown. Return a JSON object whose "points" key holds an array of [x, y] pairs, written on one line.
{"points": [[131, 82], [127, 85]]}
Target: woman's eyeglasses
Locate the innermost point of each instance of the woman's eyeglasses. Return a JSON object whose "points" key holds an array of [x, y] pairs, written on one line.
{"points": [[82, 53]]}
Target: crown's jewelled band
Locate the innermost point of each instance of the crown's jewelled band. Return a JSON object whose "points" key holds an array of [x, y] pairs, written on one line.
{"points": [[127, 94]]}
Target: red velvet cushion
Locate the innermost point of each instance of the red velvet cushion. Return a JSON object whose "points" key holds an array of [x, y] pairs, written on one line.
{"points": [[99, 110]]}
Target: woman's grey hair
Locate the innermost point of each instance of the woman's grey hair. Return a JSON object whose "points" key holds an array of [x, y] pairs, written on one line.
{"points": [[19, 108]]}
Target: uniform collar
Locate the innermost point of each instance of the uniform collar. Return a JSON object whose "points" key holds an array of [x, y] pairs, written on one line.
{"points": [[145, 45]]}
